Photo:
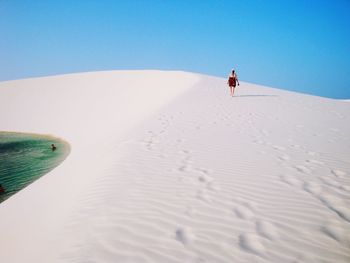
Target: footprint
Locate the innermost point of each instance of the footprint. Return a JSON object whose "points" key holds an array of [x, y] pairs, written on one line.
{"points": [[312, 161], [213, 186], [297, 146], [302, 169], [249, 204], [184, 168], [335, 231], [291, 180], [279, 148], [203, 195], [243, 212], [184, 235], [334, 129], [337, 205], [267, 229], [162, 156], [204, 178], [345, 188], [312, 188], [202, 170], [149, 144], [259, 141], [252, 244], [338, 173], [331, 182], [190, 211], [264, 132], [284, 157], [186, 163], [311, 153]]}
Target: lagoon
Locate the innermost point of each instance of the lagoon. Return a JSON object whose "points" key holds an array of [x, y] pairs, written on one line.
{"points": [[24, 158]]}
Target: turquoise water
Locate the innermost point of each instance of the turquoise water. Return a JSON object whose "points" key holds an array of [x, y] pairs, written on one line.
{"points": [[26, 157]]}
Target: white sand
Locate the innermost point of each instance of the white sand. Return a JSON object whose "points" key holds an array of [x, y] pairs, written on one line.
{"points": [[167, 167]]}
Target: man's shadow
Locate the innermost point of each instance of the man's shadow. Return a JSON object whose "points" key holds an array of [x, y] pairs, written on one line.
{"points": [[255, 96]]}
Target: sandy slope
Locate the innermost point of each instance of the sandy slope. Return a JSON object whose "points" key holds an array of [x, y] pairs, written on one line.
{"points": [[166, 167]]}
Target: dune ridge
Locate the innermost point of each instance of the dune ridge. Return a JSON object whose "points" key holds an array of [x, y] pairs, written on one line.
{"points": [[167, 167]]}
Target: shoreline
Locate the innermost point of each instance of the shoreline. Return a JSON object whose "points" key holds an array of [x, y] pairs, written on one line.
{"points": [[38, 135]]}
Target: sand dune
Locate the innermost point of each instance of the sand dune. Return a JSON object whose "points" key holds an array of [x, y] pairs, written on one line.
{"points": [[167, 167]]}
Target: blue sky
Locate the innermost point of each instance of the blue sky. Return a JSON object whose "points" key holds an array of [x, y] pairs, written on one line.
{"points": [[300, 45]]}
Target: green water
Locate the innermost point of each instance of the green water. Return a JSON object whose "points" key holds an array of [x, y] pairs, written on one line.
{"points": [[26, 157]]}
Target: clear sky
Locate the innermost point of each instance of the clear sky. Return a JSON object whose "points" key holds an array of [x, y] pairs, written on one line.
{"points": [[300, 45]]}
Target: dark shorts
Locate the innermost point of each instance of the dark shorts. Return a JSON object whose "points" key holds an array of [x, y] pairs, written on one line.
{"points": [[232, 82]]}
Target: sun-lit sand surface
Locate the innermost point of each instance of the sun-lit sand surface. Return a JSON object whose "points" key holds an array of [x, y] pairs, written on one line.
{"points": [[167, 167]]}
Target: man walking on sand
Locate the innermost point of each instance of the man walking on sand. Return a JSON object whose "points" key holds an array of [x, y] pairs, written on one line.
{"points": [[231, 81]]}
